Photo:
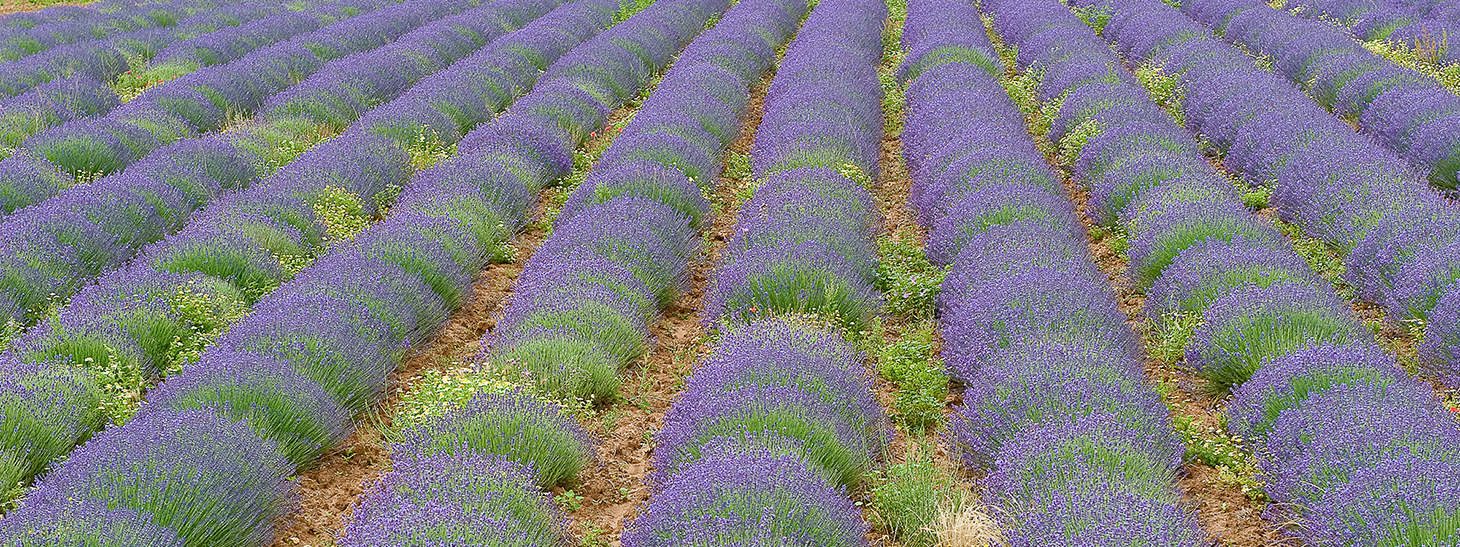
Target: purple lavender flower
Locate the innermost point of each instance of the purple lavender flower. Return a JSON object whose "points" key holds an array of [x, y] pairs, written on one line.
{"points": [[840, 450], [564, 362], [1051, 304], [1180, 213], [493, 177], [1287, 381], [809, 204], [973, 213], [640, 178], [578, 271], [749, 497], [1095, 452], [973, 170], [616, 321], [453, 498], [685, 108], [393, 296], [1252, 324], [814, 361], [1339, 195], [1211, 268], [532, 146], [91, 147], [1103, 516], [515, 425], [87, 522], [1106, 104], [230, 255], [1051, 382], [951, 107], [1125, 180], [650, 238], [1441, 346], [335, 343], [695, 161], [49, 408], [210, 480], [28, 180], [807, 278], [1400, 499], [937, 33], [1317, 446], [437, 250], [1012, 249], [278, 402]]}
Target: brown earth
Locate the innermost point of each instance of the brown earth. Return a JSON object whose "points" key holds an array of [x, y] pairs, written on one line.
{"points": [[329, 490], [615, 489], [17, 6], [1228, 516], [898, 217]]}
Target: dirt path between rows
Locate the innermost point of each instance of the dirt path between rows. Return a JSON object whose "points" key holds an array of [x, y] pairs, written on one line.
{"points": [[1224, 511], [614, 489], [329, 489]]}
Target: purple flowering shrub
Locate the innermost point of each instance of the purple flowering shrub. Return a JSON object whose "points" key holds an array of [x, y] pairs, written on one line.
{"points": [[49, 408], [787, 378], [83, 523], [1044, 303], [456, 498], [1078, 449], [515, 425], [1351, 448], [281, 404], [223, 485], [1252, 324], [747, 497], [1213, 268]]}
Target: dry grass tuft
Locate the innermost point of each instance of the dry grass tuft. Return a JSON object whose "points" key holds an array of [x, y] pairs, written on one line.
{"points": [[966, 523]]}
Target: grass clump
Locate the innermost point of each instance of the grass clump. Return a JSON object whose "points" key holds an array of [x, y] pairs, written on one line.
{"points": [[907, 499]]}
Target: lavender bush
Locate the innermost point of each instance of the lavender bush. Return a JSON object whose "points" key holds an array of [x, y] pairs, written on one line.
{"points": [[453, 498], [514, 425], [748, 497]]}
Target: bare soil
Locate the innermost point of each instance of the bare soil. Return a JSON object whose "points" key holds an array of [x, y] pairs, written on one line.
{"points": [[329, 490], [18, 6], [898, 217], [615, 489]]}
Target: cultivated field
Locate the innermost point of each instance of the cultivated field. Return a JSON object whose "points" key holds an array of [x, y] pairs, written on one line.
{"points": [[643, 273]]}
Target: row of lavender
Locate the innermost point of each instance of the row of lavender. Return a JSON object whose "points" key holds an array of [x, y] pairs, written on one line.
{"points": [[617, 254], [300, 365], [775, 426], [203, 102], [1403, 245], [143, 319], [1406, 111], [103, 59], [1424, 23], [73, 96], [28, 35], [53, 248], [1077, 447], [1348, 443]]}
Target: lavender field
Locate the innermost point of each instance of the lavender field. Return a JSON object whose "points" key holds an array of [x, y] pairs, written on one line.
{"points": [[729, 273]]}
